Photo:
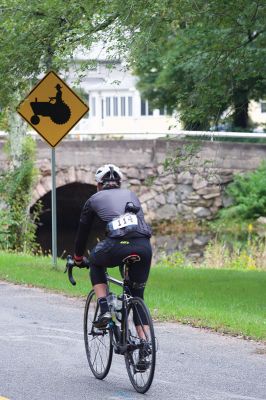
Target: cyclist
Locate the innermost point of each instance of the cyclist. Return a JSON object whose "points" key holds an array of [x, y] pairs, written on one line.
{"points": [[126, 233]]}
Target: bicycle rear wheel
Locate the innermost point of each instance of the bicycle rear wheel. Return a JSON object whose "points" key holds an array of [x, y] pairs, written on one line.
{"points": [[98, 342], [141, 358]]}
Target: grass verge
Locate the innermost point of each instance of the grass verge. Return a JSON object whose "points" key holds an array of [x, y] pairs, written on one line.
{"points": [[224, 300]]}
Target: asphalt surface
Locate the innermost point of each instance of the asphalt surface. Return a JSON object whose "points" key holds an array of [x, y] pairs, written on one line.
{"points": [[42, 357]]}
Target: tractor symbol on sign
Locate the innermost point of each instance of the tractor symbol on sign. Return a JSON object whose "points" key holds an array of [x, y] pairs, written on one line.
{"points": [[55, 108]]}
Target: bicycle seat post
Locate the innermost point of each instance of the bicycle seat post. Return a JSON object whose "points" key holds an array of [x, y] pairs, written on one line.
{"points": [[126, 269], [127, 261], [125, 277]]}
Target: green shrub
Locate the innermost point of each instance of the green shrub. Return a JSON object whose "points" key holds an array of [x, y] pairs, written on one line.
{"points": [[248, 255], [17, 227], [219, 254], [173, 260], [249, 196]]}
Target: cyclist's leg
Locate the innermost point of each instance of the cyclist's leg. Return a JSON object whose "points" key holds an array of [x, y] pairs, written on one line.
{"points": [[98, 263], [138, 275], [99, 260], [110, 252], [137, 290], [103, 255], [98, 280]]}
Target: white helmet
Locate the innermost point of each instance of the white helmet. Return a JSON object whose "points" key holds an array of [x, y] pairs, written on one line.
{"points": [[108, 173]]}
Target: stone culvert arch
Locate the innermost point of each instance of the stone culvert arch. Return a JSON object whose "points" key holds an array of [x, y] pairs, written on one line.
{"points": [[74, 185], [194, 192], [64, 176]]}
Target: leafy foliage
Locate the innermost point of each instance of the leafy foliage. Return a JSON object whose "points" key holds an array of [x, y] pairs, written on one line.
{"points": [[206, 57], [17, 228], [244, 255], [182, 156], [173, 260], [199, 57], [249, 195]]}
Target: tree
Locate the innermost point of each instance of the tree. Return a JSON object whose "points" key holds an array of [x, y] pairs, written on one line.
{"points": [[17, 228], [199, 56], [207, 57]]}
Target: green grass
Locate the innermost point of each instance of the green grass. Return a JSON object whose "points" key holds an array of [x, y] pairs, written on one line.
{"points": [[225, 300]]}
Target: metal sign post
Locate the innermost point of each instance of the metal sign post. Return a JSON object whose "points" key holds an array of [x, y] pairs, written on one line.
{"points": [[52, 108], [54, 224]]}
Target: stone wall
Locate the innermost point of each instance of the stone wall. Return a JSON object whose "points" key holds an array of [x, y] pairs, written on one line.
{"points": [[192, 194], [193, 191]]}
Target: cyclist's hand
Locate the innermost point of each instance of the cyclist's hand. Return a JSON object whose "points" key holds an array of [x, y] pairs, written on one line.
{"points": [[81, 262]]}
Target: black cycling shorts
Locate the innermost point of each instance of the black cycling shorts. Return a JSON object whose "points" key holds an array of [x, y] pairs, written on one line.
{"points": [[110, 253]]}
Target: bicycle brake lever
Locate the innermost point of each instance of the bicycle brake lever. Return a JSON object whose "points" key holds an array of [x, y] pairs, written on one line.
{"points": [[69, 267]]}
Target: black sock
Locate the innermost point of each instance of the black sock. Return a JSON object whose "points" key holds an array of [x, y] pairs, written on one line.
{"points": [[103, 305]]}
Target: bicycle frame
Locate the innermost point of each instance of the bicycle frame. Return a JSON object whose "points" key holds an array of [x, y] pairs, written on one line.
{"points": [[120, 345]]}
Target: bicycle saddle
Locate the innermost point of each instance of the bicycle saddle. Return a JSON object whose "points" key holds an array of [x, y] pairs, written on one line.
{"points": [[132, 258]]}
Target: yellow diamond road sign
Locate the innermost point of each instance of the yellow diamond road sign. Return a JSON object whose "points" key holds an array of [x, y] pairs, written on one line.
{"points": [[52, 108]]}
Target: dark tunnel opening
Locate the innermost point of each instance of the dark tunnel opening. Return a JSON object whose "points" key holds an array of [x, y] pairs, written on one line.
{"points": [[70, 200]]}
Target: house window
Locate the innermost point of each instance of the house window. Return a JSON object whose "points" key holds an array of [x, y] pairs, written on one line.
{"points": [[108, 106], [123, 106], [102, 109], [263, 106], [130, 106], [93, 106], [115, 106], [145, 108], [163, 111]]}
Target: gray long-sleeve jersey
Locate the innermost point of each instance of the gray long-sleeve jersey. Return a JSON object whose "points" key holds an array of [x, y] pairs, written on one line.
{"points": [[108, 205]]}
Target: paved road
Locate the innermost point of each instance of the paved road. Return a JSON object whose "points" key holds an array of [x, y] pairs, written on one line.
{"points": [[42, 357]]}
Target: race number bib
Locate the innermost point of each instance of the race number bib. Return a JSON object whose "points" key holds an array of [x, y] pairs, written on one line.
{"points": [[124, 220]]}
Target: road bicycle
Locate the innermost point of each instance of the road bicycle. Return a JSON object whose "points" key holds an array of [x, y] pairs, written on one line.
{"points": [[130, 332]]}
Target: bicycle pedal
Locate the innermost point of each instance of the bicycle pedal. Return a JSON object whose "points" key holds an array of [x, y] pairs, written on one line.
{"points": [[142, 367]]}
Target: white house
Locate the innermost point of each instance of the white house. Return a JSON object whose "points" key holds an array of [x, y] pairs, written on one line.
{"points": [[257, 113], [116, 106]]}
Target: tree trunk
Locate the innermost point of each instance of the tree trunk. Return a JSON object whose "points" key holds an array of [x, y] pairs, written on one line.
{"points": [[17, 129], [240, 116], [194, 125]]}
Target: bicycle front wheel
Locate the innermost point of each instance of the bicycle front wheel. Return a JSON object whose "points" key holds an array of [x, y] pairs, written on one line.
{"points": [[98, 342], [141, 355]]}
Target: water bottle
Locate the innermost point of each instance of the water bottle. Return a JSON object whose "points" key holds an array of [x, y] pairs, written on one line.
{"points": [[115, 305], [118, 308], [112, 300]]}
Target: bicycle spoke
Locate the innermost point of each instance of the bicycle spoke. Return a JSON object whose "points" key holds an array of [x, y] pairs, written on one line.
{"points": [[141, 362], [101, 360], [99, 347], [99, 352], [103, 343], [95, 354], [141, 353]]}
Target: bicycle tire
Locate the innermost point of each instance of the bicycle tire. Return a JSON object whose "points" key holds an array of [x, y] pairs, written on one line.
{"points": [[141, 381], [98, 342]]}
